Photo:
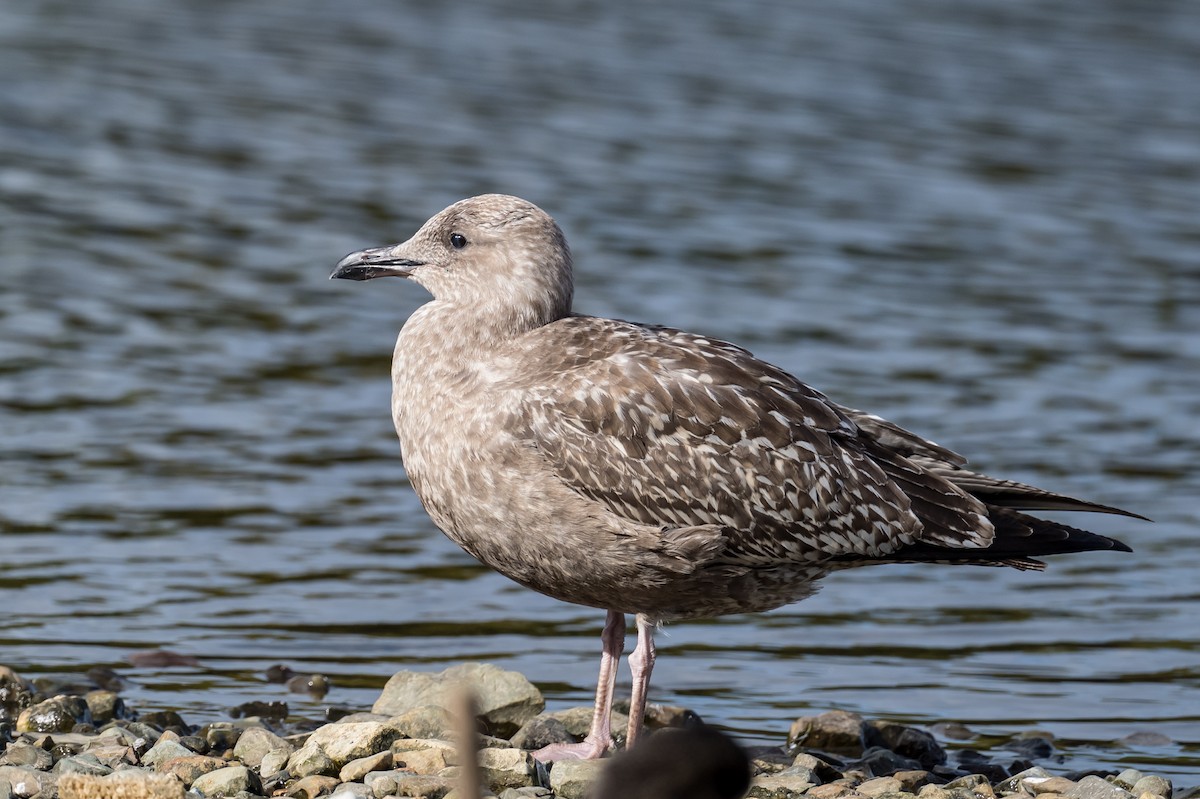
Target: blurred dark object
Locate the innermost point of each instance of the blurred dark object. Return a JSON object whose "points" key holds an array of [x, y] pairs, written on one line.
{"points": [[695, 763], [159, 658]]}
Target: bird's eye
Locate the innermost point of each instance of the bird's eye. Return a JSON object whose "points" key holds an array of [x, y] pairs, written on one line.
{"points": [[458, 241]]}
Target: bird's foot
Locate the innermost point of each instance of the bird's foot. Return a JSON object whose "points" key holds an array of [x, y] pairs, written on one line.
{"points": [[587, 749]]}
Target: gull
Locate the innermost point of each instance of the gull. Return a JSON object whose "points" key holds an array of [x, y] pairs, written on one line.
{"points": [[645, 470]]}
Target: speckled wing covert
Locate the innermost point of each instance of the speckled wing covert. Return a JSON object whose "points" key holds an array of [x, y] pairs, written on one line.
{"points": [[675, 430]]}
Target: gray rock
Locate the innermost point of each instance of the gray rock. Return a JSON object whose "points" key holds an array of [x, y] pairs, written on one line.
{"points": [[836, 731], [311, 759], [1159, 786], [529, 792], [405, 783], [505, 699], [570, 779], [1127, 778], [346, 742], [24, 782], [1092, 787], [542, 731], [777, 786], [81, 764], [427, 721], [505, 768], [352, 790], [189, 769], [274, 762], [22, 753], [1038, 786], [166, 749], [1013, 784], [254, 744], [227, 781]]}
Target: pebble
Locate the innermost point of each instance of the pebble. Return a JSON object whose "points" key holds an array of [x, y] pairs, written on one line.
{"points": [[505, 699], [404, 748], [227, 781], [570, 779], [256, 742]]}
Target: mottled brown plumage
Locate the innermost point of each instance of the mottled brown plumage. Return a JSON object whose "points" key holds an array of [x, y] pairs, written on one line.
{"points": [[646, 470]]}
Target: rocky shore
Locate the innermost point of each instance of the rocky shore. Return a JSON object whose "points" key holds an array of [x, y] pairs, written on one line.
{"points": [[88, 745]]}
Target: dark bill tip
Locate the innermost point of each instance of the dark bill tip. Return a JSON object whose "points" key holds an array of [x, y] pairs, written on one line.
{"points": [[368, 264]]}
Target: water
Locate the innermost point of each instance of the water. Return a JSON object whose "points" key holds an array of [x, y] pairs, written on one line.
{"points": [[977, 218]]}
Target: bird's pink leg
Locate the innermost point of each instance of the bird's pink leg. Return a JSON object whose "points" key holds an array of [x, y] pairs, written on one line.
{"points": [[599, 739], [641, 663]]}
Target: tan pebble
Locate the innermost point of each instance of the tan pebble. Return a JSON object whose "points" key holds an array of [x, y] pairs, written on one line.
{"points": [[879, 786], [312, 786], [425, 761], [189, 769], [1048, 785], [832, 790], [355, 770]]}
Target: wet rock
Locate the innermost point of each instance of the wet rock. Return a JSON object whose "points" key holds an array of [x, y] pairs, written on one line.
{"points": [[313, 786], [405, 783], [835, 731], [104, 706], [1127, 778], [1145, 738], [505, 699], [166, 720], [542, 731], [570, 779], [166, 749], [358, 768], [1160, 786], [1013, 784], [505, 768], [907, 741], [21, 753], [427, 721], [315, 685], [1033, 745], [189, 769], [880, 762], [344, 742], [254, 744], [1096, 788], [266, 710], [227, 781], [911, 781], [57, 714], [312, 759], [221, 735]]}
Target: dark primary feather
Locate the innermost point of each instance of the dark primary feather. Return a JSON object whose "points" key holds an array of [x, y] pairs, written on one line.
{"points": [[676, 430]]}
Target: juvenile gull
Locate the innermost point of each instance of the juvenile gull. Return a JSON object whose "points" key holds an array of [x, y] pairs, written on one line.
{"points": [[646, 470]]}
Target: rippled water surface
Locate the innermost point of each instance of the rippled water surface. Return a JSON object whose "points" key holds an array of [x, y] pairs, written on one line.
{"points": [[979, 219]]}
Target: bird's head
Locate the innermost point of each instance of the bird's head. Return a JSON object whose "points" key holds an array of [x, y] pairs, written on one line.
{"points": [[494, 254]]}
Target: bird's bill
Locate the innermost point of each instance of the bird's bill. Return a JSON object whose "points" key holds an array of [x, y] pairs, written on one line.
{"points": [[375, 262]]}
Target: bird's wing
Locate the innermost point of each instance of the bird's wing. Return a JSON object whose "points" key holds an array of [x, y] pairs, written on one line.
{"points": [[675, 430]]}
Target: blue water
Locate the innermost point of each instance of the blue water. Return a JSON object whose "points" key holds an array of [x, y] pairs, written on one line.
{"points": [[978, 219]]}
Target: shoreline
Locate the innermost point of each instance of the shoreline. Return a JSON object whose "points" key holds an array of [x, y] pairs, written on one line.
{"points": [[406, 745]]}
